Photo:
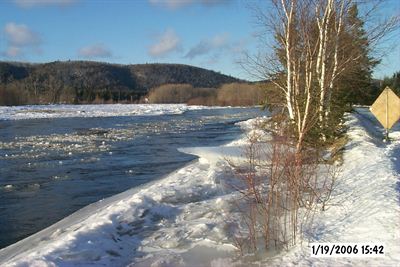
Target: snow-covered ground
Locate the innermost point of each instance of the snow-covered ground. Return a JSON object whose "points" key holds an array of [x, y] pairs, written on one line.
{"points": [[365, 206], [186, 219], [106, 110]]}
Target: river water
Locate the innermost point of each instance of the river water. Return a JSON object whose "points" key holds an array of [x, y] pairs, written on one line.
{"points": [[50, 168]]}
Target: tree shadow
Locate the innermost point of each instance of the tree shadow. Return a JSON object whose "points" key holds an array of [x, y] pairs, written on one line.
{"points": [[377, 134], [395, 157], [372, 126]]}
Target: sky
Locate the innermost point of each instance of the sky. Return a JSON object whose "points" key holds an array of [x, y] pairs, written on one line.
{"points": [[212, 34]]}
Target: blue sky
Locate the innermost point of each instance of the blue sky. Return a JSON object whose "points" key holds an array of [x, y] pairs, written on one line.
{"points": [[207, 33]]}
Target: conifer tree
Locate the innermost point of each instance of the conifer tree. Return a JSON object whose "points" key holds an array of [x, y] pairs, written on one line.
{"points": [[355, 85]]}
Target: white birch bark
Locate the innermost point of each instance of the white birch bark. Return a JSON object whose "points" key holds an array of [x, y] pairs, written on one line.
{"points": [[288, 50], [338, 33], [321, 69]]}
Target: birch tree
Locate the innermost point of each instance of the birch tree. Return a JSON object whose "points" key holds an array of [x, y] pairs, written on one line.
{"points": [[313, 50], [317, 43]]}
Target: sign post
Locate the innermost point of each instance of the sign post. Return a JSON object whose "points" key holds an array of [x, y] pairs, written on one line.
{"points": [[386, 109]]}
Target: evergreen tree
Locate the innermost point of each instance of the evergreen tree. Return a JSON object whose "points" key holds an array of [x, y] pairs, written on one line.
{"points": [[356, 85], [393, 82], [396, 82]]}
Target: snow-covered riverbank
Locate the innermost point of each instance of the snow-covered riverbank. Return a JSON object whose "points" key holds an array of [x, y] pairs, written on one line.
{"points": [[186, 218], [365, 206], [179, 220]]}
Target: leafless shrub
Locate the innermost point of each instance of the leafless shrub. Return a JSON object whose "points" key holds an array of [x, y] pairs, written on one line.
{"points": [[280, 190], [12, 95], [240, 94], [233, 94], [171, 93]]}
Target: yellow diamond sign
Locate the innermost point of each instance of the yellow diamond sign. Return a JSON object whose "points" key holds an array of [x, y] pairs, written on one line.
{"points": [[386, 108]]}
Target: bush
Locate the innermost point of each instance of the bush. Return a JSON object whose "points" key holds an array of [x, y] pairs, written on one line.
{"points": [[240, 94], [233, 94], [179, 93], [280, 190], [12, 96]]}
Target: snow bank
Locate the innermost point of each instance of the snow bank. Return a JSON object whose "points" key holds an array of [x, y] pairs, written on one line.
{"points": [[163, 221], [365, 205], [106, 110], [177, 221], [186, 219]]}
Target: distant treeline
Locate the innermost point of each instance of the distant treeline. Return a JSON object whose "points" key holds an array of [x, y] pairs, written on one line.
{"points": [[76, 82], [393, 82], [232, 94], [95, 82]]}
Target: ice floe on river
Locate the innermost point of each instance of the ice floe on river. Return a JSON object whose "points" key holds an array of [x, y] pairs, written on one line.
{"points": [[104, 110], [184, 219], [187, 218]]}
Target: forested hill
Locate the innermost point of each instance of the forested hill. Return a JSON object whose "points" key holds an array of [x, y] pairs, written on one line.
{"points": [[84, 81]]}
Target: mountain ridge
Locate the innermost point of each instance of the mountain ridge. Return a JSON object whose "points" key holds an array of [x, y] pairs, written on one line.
{"points": [[84, 81]]}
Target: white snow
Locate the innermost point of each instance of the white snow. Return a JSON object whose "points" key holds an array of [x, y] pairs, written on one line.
{"points": [[365, 206], [105, 110], [186, 218]]}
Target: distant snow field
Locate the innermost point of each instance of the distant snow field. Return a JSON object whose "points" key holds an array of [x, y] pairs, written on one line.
{"points": [[187, 218], [106, 110]]}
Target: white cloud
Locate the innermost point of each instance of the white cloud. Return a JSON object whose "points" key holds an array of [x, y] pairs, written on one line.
{"points": [[175, 4], [172, 4], [220, 40], [214, 2], [19, 39], [95, 51], [13, 51], [35, 3], [215, 44], [167, 42], [20, 35], [240, 45]]}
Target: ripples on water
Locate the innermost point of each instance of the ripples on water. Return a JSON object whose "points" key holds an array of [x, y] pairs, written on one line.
{"points": [[50, 168]]}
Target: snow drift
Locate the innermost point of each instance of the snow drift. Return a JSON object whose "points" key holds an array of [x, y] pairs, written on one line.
{"points": [[186, 219]]}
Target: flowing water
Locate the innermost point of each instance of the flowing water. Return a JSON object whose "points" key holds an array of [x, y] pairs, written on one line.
{"points": [[50, 168]]}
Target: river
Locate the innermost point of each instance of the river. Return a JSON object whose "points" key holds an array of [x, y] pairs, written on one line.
{"points": [[51, 167]]}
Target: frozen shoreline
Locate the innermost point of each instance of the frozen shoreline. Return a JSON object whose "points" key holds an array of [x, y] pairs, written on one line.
{"points": [[175, 203], [181, 220]]}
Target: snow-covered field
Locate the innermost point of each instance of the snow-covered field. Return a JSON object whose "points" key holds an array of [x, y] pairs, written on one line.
{"points": [[106, 110], [186, 219]]}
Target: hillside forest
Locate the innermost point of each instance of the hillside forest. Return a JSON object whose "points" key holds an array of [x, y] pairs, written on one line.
{"points": [[86, 82], [95, 82]]}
